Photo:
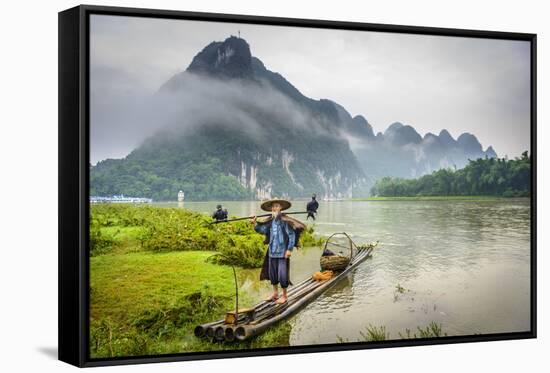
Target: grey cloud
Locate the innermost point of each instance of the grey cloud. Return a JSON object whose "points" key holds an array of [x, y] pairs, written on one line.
{"points": [[461, 84], [123, 119]]}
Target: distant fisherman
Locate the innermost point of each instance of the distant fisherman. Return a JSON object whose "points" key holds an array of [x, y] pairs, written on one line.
{"points": [[220, 214], [312, 207]]}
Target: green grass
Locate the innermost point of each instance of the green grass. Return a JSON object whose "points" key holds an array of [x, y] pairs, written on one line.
{"points": [[123, 285], [149, 303], [374, 333], [434, 198], [119, 229], [121, 233], [123, 239], [433, 330]]}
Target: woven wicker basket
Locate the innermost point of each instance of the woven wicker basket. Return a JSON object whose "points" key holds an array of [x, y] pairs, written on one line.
{"points": [[335, 263]]}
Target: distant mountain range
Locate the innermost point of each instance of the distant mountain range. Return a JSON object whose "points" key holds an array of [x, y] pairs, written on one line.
{"points": [[401, 151], [232, 129]]}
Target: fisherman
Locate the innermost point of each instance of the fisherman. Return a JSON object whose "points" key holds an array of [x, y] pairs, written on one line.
{"points": [[220, 214], [282, 234], [312, 207]]}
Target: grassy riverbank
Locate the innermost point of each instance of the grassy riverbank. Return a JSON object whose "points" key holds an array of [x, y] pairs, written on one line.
{"points": [[152, 279], [120, 229], [149, 303]]}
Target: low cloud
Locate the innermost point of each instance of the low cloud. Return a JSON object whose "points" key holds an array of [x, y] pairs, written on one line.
{"points": [[122, 119]]}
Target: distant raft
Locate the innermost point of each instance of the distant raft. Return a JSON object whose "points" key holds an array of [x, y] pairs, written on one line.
{"points": [[249, 322]]}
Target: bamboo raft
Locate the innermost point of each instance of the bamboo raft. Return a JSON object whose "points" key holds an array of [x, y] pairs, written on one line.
{"points": [[246, 323]]}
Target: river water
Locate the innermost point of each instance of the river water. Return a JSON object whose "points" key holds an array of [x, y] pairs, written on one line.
{"points": [[462, 264]]}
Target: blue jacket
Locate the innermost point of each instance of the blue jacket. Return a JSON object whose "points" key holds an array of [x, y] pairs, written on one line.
{"points": [[281, 237]]}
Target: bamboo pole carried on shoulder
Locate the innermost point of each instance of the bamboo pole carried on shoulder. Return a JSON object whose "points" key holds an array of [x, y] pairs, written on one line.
{"points": [[258, 216]]}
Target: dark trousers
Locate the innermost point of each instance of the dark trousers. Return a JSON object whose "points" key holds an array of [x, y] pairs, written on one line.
{"points": [[278, 271]]}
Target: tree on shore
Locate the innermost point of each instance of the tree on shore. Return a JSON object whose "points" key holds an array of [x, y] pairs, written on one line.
{"points": [[483, 176]]}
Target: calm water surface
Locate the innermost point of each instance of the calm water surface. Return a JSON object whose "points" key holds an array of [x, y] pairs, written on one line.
{"points": [[465, 265]]}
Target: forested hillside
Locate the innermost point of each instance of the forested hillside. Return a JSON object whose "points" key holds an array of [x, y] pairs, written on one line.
{"points": [[483, 176]]}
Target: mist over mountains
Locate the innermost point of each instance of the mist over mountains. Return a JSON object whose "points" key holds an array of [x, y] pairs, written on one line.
{"points": [[229, 128], [401, 151]]}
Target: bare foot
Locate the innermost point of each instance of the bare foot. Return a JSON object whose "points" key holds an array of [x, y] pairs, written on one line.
{"points": [[281, 300], [272, 297]]}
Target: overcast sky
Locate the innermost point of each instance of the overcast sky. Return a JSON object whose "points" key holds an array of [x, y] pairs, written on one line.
{"points": [[471, 85]]}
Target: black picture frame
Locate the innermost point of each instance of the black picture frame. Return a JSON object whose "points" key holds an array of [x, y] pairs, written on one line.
{"points": [[74, 182]]}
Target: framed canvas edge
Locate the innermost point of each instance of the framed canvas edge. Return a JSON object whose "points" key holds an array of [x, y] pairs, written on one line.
{"points": [[304, 22], [70, 187], [73, 287], [336, 347]]}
